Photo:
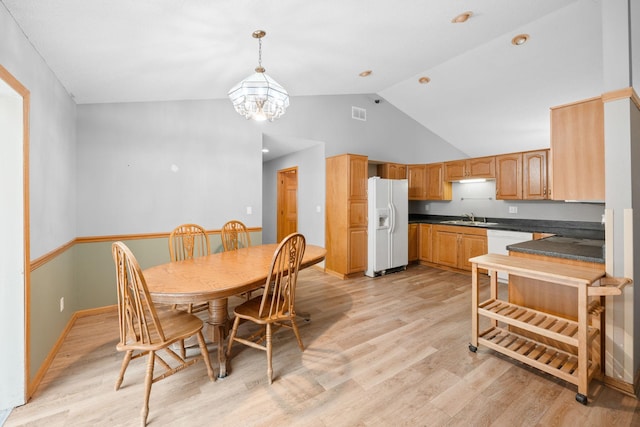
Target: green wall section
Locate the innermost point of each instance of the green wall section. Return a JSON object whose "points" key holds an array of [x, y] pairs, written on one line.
{"points": [[84, 275], [49, 282]]}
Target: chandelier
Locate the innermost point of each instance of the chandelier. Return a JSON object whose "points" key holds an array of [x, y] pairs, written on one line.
{"points": [[259, 97]]}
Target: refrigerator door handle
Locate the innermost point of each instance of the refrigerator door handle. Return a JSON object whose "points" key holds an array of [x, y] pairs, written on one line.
{"points": [[392, 217]]}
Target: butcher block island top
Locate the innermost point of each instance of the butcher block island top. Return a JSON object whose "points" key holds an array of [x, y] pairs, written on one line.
{"points": [[547, 271]]}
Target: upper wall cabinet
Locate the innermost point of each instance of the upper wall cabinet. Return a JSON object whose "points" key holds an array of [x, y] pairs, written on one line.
{"points": [[522, 176], [392, 171], [577, 151], [480, 167]]}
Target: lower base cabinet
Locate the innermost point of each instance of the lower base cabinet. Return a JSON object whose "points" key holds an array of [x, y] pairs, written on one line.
{"points": [[453, 246]]}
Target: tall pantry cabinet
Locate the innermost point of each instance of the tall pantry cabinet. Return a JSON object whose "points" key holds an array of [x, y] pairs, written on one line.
{"points": [[346, 215]]}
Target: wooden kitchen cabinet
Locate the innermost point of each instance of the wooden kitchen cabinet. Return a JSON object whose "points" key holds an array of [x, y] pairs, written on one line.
{"points": [[412, 240], [425, 252], [416, 174], [436, 187], [392, 171], [346, 215], [479, 167], [577, 151], [509, 176], [453, 246], [522, 176], [534, 175]]}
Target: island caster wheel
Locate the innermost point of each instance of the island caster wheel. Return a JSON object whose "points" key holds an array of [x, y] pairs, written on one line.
{"points": [[473, 349], [581, 398]]}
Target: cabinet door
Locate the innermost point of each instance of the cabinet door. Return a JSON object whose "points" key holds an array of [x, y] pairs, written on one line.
{"points": [[397, 171], [445, 248], [481, 167], [437, 188], [392, 171], [357, 253], [455, 171], [509, 176], [413, 242], [358, 213], [471, 246], [577, 151], [358, 172], [534, 171], [425, 250], [384, 170], [417, 181]]}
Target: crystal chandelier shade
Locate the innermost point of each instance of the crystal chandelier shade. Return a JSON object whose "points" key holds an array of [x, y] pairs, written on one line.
{"points": [[259, 97]]}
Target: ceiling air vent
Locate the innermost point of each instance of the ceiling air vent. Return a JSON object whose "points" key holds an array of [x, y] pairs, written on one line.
{"points": [[359, 113]]}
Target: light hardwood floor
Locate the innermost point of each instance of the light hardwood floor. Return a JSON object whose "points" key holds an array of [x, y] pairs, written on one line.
{"points": [[389, 351]]}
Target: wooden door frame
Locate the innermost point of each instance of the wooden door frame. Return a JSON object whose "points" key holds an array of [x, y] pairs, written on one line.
{"points": [[21, 90], [280, 197]]}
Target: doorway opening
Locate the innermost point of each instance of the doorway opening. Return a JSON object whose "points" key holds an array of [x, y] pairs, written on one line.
{"points": [[287, 202], [15, 258]]}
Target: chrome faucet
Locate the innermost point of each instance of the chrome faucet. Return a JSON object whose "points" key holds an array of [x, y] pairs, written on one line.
{"points": [[469, 216]]}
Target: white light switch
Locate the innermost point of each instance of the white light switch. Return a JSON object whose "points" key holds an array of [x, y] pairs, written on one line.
{"points": [[249, 210], [318, 208]]}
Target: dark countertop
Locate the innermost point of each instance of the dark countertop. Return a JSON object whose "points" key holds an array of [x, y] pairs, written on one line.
{"points": [[574, 229], [563, 247]]}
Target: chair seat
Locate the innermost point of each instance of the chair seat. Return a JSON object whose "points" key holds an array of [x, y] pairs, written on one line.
{"points": [[176, 325], [251, 309]]}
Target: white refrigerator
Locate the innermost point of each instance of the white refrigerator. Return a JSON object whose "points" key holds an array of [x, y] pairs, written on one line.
{"points": [[387, 229]]}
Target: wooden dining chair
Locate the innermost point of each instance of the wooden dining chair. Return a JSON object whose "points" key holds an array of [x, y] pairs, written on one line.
{"points": [[145, 330], [235, 235], [276, 305], [188, 241]]}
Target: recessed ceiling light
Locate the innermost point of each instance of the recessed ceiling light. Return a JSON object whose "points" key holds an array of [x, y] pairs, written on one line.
{"points": [[265, 150], [463, 17], [424, 80], [365, 73], [520, 39]]}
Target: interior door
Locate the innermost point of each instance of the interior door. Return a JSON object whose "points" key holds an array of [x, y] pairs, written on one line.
{"points": [[287, 202]]}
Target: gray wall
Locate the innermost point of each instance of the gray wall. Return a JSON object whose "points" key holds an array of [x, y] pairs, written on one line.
{"points": [[147, 167], [388, 134]]}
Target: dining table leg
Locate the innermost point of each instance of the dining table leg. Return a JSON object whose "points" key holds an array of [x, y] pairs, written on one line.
{"points": [[217, 330]]}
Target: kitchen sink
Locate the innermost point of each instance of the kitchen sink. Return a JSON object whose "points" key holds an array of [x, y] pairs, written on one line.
{"points": [[470, 223]]}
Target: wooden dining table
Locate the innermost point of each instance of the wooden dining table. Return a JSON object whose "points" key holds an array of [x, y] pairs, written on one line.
{"points": [[214, 278]]}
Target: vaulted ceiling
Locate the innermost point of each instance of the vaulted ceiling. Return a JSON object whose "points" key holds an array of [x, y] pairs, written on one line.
{"points": [[485, 95]]}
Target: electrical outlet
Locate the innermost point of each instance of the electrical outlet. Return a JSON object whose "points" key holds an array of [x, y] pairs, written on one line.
{"points": [[426, 208], [61, 304], [249, 210], [513, 209]]}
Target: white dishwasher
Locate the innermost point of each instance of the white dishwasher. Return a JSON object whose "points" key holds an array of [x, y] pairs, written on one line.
{"points": [[498, 240]]}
